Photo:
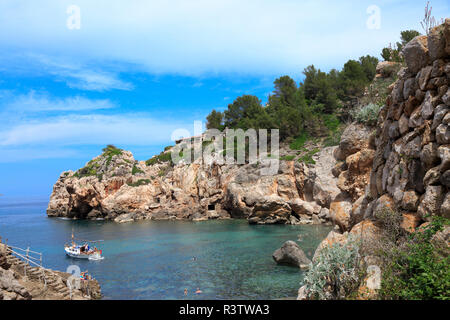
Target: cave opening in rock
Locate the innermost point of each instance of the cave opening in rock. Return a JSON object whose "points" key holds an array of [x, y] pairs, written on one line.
{"points": [[211, 207]]}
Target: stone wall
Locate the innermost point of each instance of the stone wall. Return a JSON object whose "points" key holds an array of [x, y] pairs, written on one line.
{"points": [[411, 163]]}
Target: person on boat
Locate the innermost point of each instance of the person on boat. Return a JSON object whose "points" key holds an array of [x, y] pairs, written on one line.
{"points": [[198, 291], [185, 292]]}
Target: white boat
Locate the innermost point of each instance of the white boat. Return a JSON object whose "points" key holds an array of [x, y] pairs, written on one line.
{"points": [[83, 251]]}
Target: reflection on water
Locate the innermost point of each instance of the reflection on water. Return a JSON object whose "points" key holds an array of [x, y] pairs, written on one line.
{"points": [[159, 259]]}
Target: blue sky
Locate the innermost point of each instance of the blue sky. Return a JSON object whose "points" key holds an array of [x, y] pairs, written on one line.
{"points": [[137, 70]]}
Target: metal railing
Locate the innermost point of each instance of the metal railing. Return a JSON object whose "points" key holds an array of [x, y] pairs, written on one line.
{"points": [[27, 255]]}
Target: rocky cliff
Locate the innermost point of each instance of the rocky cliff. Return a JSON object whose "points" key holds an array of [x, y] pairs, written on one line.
{"points": [[404, 166], [115, 186]]}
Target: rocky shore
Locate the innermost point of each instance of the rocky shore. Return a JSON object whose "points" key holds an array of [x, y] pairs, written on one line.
{"points": [[114, 186], [402, 164], [21, 281]]}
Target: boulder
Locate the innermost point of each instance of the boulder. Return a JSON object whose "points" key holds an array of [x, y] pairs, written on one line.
{"points": [[431, 202], [302, 293], [410, 222], [432, 177], [353, 139], [340, 213], [403, 124], [444, 155], [124, 218], [291, 254], [443, 134], [301, 207], [445, 179], [428, 105], [437, 42], [368, 233], [423, 77], [416, 54], [385, 202], [441, 241], [270, 210], [429, 155], [439, 114], [410, 201], [445, 208]]}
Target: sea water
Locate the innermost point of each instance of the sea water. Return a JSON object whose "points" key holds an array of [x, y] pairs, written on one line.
{"points": [[227, 259]]}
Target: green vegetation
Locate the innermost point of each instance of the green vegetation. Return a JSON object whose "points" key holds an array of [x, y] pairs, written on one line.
{"points": [[307, 109], [140, 182], [287, 158], [307, 158], [414, 268], [161, 158], [335, 273], [368, 114], [136, 170], [109, 152], [89, 170], [393, 53], [299, 142], [215, 120]]}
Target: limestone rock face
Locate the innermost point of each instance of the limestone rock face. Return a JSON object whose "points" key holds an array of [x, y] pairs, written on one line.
{"points": [[270, 210], [291, 254], [116, 187]]}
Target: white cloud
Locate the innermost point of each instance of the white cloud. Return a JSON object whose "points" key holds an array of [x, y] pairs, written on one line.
{"points": [[34, 102], [139, 130], [202, 36], [75, 73]]}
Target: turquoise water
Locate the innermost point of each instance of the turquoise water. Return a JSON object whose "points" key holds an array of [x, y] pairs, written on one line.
{"points": [[154, 259]]}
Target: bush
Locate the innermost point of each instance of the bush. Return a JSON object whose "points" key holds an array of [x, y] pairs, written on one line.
{"points": [[307, 158], [335, 274], [141, 182], [332, 122], [111, 150], [368, 114], [136, 170], [416, 271], [161, 158], [299, 141], [287, 158]]}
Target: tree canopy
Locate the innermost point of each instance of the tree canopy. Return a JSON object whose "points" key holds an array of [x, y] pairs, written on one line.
{"points": [[296, 109]]}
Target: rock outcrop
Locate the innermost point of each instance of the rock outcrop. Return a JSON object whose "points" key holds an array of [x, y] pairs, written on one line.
{"points": [[21, 281], [403, 167], [291, 254], [115, 186]]}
